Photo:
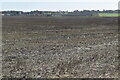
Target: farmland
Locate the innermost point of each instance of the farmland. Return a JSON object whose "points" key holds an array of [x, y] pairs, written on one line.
{"points": [[108, 14], [60, 47]]}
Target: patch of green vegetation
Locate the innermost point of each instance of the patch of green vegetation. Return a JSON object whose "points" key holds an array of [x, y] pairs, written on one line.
{"points": [[108, 14]]}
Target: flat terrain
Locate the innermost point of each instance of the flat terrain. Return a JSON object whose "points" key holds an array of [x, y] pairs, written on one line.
{"points": [[60, 47], [108, 14]]}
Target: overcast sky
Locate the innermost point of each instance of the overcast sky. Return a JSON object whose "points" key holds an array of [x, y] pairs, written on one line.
{"points": [[56, 5]]}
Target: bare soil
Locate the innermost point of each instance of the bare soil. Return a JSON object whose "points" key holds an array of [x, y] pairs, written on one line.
{"points": [[60, 47]]}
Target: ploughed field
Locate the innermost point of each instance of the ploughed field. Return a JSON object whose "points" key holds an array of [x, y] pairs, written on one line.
{"points": [[60, 47]]}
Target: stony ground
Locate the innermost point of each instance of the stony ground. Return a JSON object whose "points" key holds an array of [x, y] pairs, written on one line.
{"points": [[57, 47]]}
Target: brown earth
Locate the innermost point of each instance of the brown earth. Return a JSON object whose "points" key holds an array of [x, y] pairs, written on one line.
{"points": [[60, 47]]}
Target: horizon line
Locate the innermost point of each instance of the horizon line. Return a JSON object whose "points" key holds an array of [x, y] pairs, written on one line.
{"points": [[61, 10]]}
